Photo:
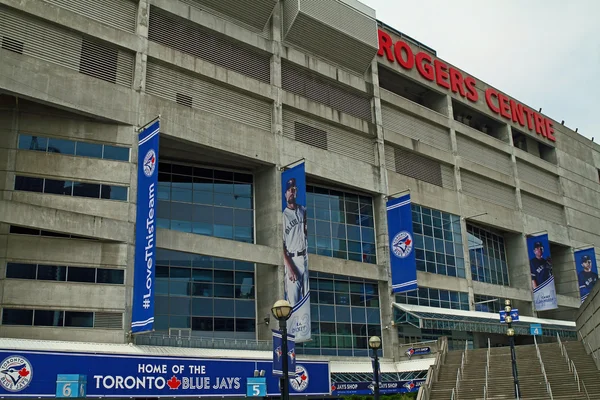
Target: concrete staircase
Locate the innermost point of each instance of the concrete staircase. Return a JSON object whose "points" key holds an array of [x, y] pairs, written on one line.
{"points": [[531, 379]]}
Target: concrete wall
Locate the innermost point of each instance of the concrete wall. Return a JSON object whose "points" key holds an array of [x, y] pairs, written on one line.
{"points": [[588, 324], [60, 102]]}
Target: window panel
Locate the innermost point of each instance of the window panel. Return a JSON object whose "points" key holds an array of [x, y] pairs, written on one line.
{"points": [[29, 184], [83, 149], [79, 319], [116, 153], [114, 192], [115, 276], [51, 273], [14, 316], [76, 274], [21, 271], [49, 318]]}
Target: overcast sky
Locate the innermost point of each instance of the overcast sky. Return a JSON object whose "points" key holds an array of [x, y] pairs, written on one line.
{"points": [[544, 53]]}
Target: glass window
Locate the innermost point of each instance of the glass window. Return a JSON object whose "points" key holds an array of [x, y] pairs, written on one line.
{"points": [[487, 255], [334, 222], [338, 310], [51, 273], [61, 146], [222, 202], [29, 184], [116, 153], [15, 316], [83, 189], [37, 143], [438, 248], [83, 149], [110, 275], [79, 319], [77, 274], [49, 318], [214, 292], [435, 298], [20, 271], [54, 186], [114, 192]]}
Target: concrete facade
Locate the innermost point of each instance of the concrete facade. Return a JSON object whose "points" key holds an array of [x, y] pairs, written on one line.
{"points": [[238, 121]]}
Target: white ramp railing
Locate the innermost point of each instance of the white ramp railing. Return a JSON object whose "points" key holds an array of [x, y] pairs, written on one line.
{"points": [[548, 387]]}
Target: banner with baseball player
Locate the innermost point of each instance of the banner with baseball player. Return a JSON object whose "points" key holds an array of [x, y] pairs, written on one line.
{"points": [[542, 278], [142, 308], [587, 271], [402, 255], [295, 251]]}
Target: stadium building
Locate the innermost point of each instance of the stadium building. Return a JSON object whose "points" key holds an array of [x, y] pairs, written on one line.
{"points": [[243, 89]]}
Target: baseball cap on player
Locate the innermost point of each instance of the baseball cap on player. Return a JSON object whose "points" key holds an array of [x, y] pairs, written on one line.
{"points": [[585, 259], [538, 244], [290, 183]]}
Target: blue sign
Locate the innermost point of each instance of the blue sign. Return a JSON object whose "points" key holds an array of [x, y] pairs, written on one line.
{"points": [[535, 329], [587, 271], [38, 374], [142, 308], [417, 351], [278, 354], [295, 251], [256, 387], [514, 314], [367, 388], [402, 254], [69, 385], [542, 278]]}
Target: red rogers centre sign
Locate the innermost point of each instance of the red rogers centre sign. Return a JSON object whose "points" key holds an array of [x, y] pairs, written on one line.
{"points": [[447, 77]]}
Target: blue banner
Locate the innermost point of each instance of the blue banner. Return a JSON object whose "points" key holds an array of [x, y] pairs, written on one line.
{"points": [[417, 351], [514, 314], [366, 388], [295, 251], [542, 279], [278, 354], [587, 271], [41, 374], [142, 308], [402, 255]]}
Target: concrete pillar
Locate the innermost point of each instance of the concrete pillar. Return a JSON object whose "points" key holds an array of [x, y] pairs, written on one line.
{"points": [[386, 298], [141, 58], [268, 222]]}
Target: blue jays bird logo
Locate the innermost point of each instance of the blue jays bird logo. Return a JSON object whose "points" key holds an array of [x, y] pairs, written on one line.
{"points": [[410, 352], [278, 352], [402, 244], [149, 163], [15, 373], [409, 385]]}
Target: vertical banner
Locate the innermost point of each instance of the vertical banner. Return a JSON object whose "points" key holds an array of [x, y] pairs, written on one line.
{"points": [[142, 308], [278, 354], [402, 257], [295, 251], [587, 271], [542, 279]]}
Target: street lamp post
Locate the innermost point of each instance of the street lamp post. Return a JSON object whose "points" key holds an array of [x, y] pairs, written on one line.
{"points": [[281, 311], [375, 344], [510, 332]]}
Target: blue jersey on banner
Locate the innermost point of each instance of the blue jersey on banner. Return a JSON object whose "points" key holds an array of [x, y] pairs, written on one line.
{"points": [[587, 271], [542, 278], [295, 251], [402, 254], [30, 374], [142, 309]]}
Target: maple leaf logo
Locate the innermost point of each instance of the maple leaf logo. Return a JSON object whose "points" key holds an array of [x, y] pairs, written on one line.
{"points": [[23, 372], [408, 242], [173, 383], [303, 377]]}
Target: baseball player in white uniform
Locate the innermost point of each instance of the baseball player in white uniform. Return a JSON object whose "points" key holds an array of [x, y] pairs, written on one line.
{"points": [[295, 246]]}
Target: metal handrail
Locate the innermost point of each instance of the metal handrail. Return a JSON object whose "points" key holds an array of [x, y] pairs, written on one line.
{"points": [[487, 369], [585, 343], [433, 371], [548, 387], [453, 395]]}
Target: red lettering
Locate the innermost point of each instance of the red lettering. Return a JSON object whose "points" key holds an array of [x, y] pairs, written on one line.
{"points": [[529, 113], [441, 74], [540, 128], [471, 91], [517, 112], [488, 99], [410, 60], [456, 82], [550, 130], [424, 66], [385, 45], [504, 106]]}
